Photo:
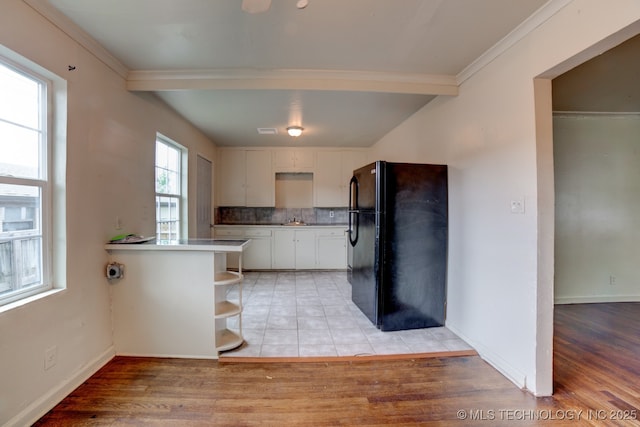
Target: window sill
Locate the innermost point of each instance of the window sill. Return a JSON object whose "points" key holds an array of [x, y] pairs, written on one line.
{"points": [[32, 298]]}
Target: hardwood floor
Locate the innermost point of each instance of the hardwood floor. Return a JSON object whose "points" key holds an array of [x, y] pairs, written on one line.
{"points": [[597, 356], [597, 367]]}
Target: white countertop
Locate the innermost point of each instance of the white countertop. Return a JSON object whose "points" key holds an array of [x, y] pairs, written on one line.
{"points": [[212, 245]]}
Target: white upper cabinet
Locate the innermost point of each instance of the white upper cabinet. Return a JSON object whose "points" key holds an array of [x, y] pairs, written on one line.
{"points": [[231, 178], [327, 180], [331, 179], [245, 178], [351, 160], [260, 180], [294, 160]]}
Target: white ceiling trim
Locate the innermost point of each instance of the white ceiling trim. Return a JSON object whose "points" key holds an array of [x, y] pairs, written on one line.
{"points": [[145, 80], [531, 23], [44, 8], [292, 80]]}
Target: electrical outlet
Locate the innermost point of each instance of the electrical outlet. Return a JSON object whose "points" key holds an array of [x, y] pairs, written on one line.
{"points": [[118, 223], [50, 357], [517, 206], [331, 214], [612, 280]]}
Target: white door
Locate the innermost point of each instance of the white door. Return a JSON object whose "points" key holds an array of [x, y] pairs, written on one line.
{"points": [[203, 198]]}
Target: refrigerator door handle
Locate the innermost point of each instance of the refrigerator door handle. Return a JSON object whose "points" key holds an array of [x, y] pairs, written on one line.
{"points": [[353, 211]]}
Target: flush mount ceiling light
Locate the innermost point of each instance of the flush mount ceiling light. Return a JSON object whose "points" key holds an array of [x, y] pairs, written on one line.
{"points": [[295, 130]]}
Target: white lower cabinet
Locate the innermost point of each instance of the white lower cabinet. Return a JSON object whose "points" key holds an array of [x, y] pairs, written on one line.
{"points": [[257, 256], [331, 249], [305, 249], [288, 248], [284, 249], [294, 249]]}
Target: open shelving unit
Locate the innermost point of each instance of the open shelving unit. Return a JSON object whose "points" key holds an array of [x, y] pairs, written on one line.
{"points": [[226, 308]]}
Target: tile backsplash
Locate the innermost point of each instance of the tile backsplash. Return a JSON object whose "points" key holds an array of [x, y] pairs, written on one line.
{"points": [[271, 216]]}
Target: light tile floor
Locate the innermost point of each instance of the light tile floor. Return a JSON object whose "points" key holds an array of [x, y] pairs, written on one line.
{"points": [[302, 314]]}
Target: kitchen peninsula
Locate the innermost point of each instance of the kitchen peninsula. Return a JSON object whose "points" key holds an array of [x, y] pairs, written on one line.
{"points": [[174, 298]]}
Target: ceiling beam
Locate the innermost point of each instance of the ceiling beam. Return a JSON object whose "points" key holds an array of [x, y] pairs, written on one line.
{"points": [[354, 81]]}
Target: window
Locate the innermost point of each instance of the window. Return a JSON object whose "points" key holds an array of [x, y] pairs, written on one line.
{"points": [[24, 184], [170, 193]]}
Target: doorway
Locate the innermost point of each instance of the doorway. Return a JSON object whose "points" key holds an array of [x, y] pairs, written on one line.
{"points": [[589, 165], [596, 154]]}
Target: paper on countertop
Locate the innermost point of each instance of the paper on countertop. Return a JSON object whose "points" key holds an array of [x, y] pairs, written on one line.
{"points": [[130, 238]]}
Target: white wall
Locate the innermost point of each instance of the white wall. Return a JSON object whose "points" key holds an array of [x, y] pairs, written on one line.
{"points": [[111, 139], [597, 207], [500, 299]]}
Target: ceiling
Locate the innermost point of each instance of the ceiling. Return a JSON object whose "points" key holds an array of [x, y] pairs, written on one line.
{"points": [[606, 83], [347, 71]]}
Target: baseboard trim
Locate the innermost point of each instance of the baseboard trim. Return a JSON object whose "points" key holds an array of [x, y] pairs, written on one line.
{"points": [[596, 299], [46, 402], [496, 361], [363, 358], [167, 355]]}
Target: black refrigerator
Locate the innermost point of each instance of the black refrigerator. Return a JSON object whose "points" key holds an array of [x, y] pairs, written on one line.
{"points": [[397, 253]]}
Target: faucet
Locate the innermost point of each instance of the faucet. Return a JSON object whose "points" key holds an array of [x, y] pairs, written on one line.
{"points": [[293, 220]]}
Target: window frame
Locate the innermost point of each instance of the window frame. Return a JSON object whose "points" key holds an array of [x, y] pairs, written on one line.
{"points": [[43, 182], [181, 196]]}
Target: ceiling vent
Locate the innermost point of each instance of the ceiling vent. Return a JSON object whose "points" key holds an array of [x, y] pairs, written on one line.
{"points": [[267, 131]]}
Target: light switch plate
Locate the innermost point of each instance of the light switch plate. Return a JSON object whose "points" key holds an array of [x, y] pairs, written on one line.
{"points": [[517, 206]]}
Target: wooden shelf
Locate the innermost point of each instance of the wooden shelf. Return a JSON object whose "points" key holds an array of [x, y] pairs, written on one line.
{"points": [[227, 309], [227, 278], [227, 339]]}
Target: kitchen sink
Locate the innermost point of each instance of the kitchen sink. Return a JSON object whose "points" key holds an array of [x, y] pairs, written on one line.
{"points": [[294, 223]]}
